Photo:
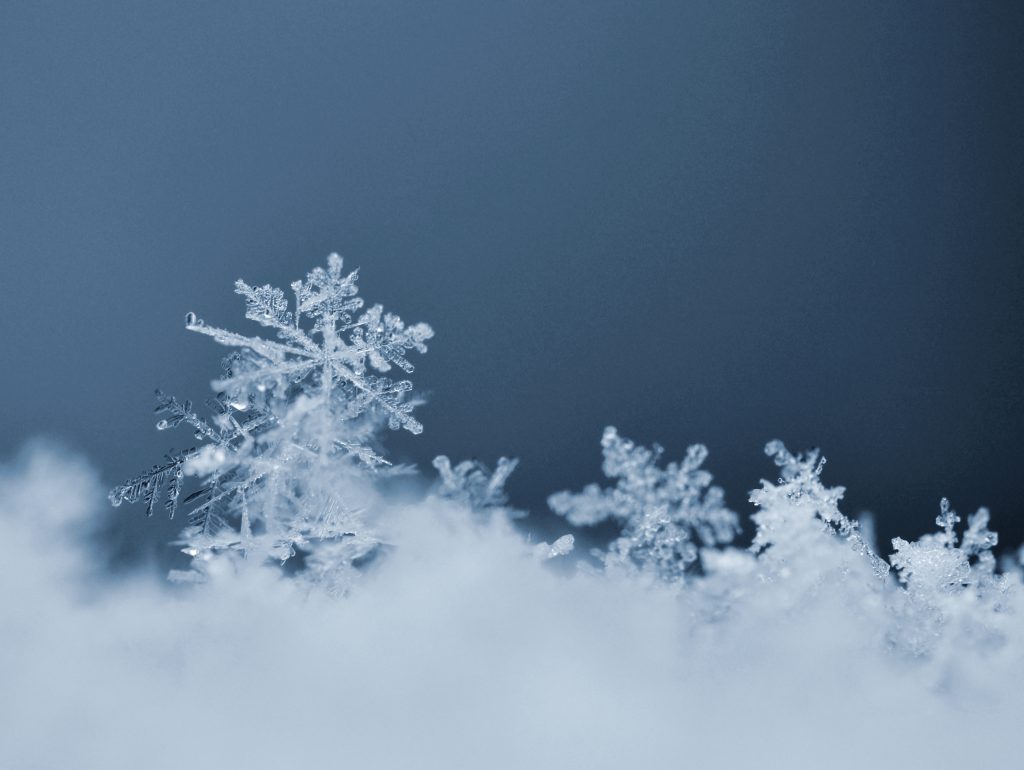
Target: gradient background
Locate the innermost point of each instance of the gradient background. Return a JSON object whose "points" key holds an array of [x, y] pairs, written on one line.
{"points": [[705, 221]]}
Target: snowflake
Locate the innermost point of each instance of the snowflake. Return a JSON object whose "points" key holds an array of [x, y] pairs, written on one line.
{"points": [[789, 508], [660, 509], [954, 596], [936, 565], [294, 421]]}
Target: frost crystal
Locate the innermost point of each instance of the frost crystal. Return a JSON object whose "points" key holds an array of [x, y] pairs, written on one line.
{"points": [[473, 483], [790, 508], [951, 590], [561, 547], [935, 565], [293, 426], [660, 509]]}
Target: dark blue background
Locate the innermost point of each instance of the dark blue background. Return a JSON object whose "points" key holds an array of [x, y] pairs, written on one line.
{"points": [[699, 221]]}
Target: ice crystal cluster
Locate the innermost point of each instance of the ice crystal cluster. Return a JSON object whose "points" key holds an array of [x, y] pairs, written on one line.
{"points": [[293, 429], [470, 643], [286, 459], [473, 483], [792, 510], [665, 513]]}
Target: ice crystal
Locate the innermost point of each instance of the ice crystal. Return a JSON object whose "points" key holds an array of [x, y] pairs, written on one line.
{"points": [[287, 450], [953, 593], [799, 505], [935, 565], [473, 483], [561, 547], [664, 512], [293, 425]]}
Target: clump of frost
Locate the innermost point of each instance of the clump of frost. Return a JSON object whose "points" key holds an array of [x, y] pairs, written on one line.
{"points": [[954, 598], [935, 565], [807, 563], [474, 484], [560, 547], [285, 458], [792, 510], [660, 510]]}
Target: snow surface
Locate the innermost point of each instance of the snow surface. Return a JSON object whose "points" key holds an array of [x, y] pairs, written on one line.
{"points": [[462, 649]]}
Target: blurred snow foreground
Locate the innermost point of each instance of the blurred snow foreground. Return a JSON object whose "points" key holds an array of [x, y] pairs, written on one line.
{"points": [[327, 620]]}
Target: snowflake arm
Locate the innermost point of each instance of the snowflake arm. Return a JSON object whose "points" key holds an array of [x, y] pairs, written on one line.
{"points": [[148, 486], [272, 351]]}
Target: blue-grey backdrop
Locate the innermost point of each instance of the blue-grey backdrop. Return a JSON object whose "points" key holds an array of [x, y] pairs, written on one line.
{"points": [[710, 220]]}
